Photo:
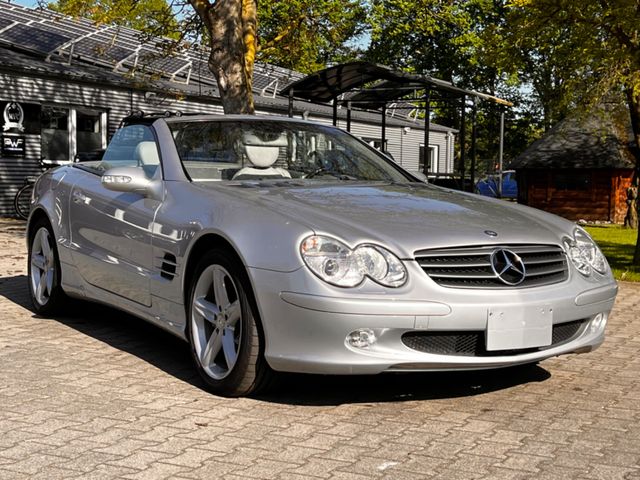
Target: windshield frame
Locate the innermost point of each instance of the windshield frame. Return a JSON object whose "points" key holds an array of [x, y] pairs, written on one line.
{"points": [[403, 175]]}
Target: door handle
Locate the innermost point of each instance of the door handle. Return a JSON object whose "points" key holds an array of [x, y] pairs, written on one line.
{"points": [[79, 197]]}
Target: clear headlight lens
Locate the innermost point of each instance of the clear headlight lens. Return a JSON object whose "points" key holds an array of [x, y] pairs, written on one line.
{"points": [[336, 263], [585, 254]]}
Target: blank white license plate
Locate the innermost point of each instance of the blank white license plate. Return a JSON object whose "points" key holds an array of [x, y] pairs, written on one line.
{"points": [[514, 327]]}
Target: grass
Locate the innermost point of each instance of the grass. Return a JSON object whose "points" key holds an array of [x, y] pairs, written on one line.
{"points": [[617, 244]]}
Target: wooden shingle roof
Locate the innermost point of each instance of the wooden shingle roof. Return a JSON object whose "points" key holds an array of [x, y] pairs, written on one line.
{"points": [[600, 140]]}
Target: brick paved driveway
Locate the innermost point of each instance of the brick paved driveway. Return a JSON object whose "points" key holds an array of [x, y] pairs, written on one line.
{"points": [[100, 394]]}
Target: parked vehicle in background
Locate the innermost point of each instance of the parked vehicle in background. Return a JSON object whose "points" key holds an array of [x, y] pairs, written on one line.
{"points": [[489, 186], [272, 244]]}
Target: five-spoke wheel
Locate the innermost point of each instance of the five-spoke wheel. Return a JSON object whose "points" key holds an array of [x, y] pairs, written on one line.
{"points": [[216, 315], [222, 328], [44, 269]]}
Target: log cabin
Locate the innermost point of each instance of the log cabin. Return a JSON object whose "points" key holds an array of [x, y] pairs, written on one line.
{"points": [[581, 168]]}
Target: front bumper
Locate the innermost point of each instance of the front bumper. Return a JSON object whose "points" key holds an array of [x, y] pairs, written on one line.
{"points": [[307, 332]]}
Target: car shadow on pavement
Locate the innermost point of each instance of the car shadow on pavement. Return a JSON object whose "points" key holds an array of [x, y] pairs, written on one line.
{"points": [[115, 328], [170, 354], [326, 390]]}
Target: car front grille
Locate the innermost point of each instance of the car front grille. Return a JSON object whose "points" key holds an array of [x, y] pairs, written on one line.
{"points": [[471, 267], [472, 343]]}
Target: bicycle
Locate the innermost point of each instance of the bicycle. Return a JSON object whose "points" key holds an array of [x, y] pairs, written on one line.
{"points": [[22, 200]]}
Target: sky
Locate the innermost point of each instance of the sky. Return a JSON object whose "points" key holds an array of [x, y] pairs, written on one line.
{"points": [[25, 3]]}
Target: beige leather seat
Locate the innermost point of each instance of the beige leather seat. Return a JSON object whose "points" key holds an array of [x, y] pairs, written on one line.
{"points": [[262, 154], [147, 154]]}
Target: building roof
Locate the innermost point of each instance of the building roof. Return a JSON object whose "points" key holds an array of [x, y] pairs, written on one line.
{"points": [[600, 140], [45, 43]]}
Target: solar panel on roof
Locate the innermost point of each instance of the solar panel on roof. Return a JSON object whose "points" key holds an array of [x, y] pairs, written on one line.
{"points": [[168, 65], [15, 17], [5, 22], [95, 49], [68, 28], [261, 81], [33, 38], [201, 71], [109, 46], [172, 65]]}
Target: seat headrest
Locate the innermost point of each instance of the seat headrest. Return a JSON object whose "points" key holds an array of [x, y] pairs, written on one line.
{"points": [[147, 153], [263, 152]]}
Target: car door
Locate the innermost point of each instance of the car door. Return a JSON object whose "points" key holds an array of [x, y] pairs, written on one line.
{"points": [[112, 231]]}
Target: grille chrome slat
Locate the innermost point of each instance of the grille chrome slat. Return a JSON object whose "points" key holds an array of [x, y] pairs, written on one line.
{"points": [[543, 261], [470, 267], [545, 271], [454, 265], [461, 275]]}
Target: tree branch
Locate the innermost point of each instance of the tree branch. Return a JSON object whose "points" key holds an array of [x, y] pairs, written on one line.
{"points": [[292, 26], [202, 8]]}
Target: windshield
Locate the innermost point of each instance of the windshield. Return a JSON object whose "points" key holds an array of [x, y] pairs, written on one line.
{"points": [[275, 150]]}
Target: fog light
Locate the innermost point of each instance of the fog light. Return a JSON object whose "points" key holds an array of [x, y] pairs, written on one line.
{"points": [[361, 338], [598, 323]]}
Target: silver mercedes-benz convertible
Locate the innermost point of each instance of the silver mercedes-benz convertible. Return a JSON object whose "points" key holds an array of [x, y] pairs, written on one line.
{"points": [[271, 244]]}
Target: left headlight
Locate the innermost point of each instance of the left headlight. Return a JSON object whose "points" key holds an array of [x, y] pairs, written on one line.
{"points": [[585, 254], [337, 264]]}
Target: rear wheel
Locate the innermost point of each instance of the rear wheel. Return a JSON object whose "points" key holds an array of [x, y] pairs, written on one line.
{"points": [[222, 327], [44, 269]]}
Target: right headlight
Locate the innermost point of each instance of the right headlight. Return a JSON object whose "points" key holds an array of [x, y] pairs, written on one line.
{"points": [[337, 264], [585, 254]]}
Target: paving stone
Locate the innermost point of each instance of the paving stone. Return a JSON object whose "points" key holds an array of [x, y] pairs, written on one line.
{"points": [[97, 394]]}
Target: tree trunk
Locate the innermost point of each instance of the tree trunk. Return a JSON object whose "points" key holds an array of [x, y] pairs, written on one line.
{"points": [[633, 100], [232, 28]]}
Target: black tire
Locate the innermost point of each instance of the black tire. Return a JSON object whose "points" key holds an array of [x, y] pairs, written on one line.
{"points": [[52, 300], [249, 373], [22, 201]]}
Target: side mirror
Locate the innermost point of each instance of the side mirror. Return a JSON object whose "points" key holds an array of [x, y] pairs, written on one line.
{"points": [[126, 179], [419, 175]]}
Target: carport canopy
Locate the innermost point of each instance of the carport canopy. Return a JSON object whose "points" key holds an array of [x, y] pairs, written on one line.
{"points": [[372, 86], [376, 84]]}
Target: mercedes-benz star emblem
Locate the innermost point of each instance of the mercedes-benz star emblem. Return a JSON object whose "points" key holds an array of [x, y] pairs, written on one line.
{"points": [[508, 267]]}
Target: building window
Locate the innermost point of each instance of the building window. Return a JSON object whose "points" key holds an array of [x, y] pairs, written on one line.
{"points": [[55, 133], [433, 156], [68, 131], [88, 131], [374, 142]]}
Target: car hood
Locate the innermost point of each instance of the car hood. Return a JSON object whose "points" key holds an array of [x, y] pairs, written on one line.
{"points": [[407, 217]]}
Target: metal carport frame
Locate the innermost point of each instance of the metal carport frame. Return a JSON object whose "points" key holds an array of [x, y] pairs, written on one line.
{"points": [[372, 86]]}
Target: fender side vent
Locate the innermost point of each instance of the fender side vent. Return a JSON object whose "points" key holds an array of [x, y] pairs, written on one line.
{"points": [[168, 267]]}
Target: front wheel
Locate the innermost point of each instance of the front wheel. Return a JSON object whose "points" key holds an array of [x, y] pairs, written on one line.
{"points": [[44, 271], [222, 328]]}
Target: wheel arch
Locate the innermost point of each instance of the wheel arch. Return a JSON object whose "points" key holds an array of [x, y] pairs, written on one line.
{"points": [[204, 244], [38, 214]]}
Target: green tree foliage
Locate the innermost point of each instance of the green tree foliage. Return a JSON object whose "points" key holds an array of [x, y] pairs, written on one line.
{"points": [[154, 17], [427, 36], [594, 47], [306, 35], [459, 41]]}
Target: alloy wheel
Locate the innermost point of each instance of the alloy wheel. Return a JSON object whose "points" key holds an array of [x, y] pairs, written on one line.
{"points": [[216, 321], [43, 267]]}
